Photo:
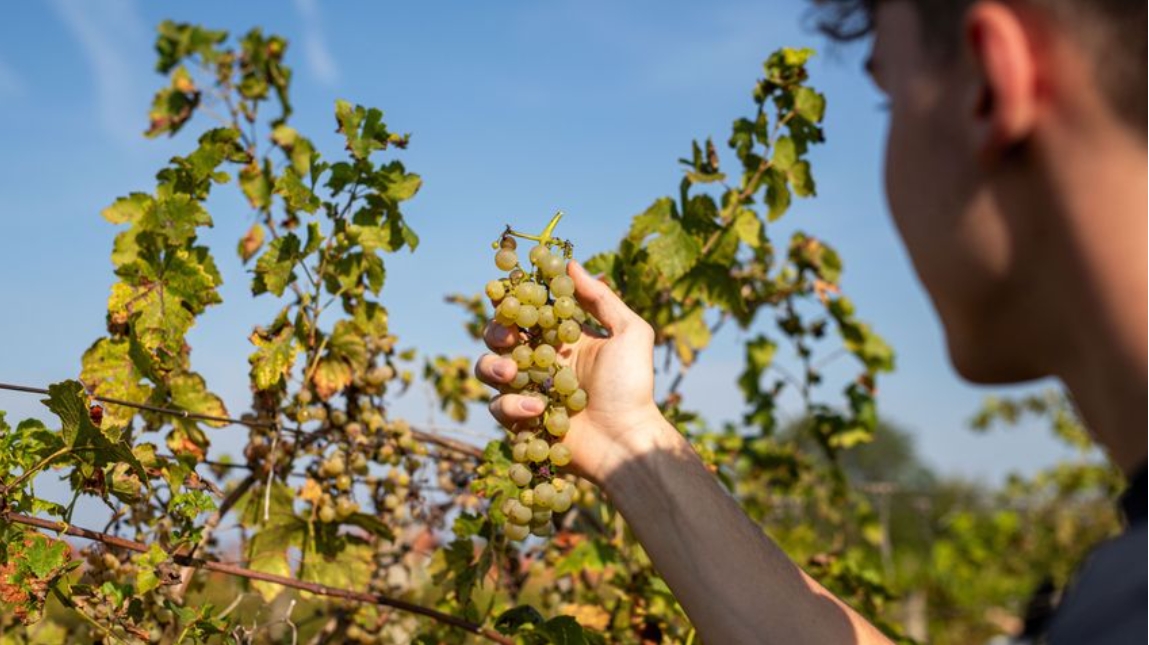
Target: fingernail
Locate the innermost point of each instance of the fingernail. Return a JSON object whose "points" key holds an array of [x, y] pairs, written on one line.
{"points": [[531, 405]]}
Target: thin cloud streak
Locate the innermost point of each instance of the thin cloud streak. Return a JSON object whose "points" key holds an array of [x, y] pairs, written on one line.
{"points": [[319, 58], [111, 35]]}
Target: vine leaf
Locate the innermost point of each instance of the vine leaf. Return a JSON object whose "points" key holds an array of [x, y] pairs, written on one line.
{"points": [[109, 371], [93, 447], [273, 357]]}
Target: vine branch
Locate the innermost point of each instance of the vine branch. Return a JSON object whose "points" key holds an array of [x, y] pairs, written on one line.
{"points": [[241, 572]]}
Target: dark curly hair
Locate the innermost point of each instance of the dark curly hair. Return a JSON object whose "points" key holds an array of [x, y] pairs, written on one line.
{"points": [[1112, 31]]}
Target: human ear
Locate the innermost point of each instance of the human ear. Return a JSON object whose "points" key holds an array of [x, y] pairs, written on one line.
{"points": [[1004, 97]]}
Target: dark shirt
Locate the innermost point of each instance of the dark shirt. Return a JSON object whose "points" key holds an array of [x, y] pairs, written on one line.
{"points": [[1106, 605]]}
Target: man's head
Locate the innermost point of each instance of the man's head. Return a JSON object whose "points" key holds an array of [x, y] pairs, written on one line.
{"points": [[1002, 114]]}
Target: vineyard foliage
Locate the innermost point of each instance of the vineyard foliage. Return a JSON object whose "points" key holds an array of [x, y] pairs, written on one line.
{"points": [[340, 522]]}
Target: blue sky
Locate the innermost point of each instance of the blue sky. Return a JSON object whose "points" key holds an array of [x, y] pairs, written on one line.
{"points": [[516, 109]]}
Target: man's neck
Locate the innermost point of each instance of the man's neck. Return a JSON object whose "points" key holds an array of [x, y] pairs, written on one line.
{"points": [[1105, 295]]}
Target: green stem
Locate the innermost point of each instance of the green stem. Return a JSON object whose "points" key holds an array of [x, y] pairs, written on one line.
{"points": [[34, 469], [543, 237]]}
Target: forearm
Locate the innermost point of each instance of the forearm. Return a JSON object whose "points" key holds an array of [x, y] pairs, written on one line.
{"points": [[735, 584]]}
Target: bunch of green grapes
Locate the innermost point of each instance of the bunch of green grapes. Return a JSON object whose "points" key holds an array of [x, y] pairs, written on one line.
{"points": [[538, 301]]}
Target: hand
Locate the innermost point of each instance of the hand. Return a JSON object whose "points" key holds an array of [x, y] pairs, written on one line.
{"points": [[617, 372]]}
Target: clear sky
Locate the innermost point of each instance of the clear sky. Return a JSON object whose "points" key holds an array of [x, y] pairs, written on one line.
{"points": [[516, 109]]}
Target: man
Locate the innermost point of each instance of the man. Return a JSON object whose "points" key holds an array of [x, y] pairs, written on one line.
{"points": [[1016, 174]]}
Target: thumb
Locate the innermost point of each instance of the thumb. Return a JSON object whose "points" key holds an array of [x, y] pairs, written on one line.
{"points": [[599, 300]]}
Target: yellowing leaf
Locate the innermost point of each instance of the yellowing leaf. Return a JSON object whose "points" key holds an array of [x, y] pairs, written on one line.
{"points": [[330, 377]]}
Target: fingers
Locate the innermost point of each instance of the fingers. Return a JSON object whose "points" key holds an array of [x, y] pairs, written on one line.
{"points": [[510, 409], [600, 301], [499, 337], [495, 370]]}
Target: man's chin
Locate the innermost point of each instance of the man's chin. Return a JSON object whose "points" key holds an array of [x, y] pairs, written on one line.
{"points": [[985, 362]]}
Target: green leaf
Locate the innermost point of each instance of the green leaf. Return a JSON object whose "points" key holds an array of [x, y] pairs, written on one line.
{"points": [[690, 334], [509, 622], [468, 525], [589, 555], [146, 565], [275, 269], [348, 567], [273, 358], [364, 129], [69, 401], [785, 154], [43, 555], [107, 368], [255, 181], [128, 209], [748, 227], [189, 392], [652, 219], [394, 183], [809, 104], [296, 196], [674, 251], [777, 194], [711, 284], [372, 524], [562, 630], [271, 537], [801, 180], [177, 41]]}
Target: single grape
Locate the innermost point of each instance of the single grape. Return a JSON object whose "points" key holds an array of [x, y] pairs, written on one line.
{"points": [[543, 530], [326, 513], [527, 497], [516, 276], [568, 331], [509, 307], [560, 455], [508, 242], [565, 381], [577, 400], [519, 452], [506, 259], [547, 318], [564, 306], [544, 356], [537, 253], [516, 531], [539, 375], [522, 356], [562, 285], [519, 474], [517, 513], [496, 290], [524, 436], [544, 494], [521, 379], [558, 423], [345, 507], [579, 315], [562, 501], [552, 265], [538, 294], [538, 450], [551, 337], [527, 316], [541, 516]]}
